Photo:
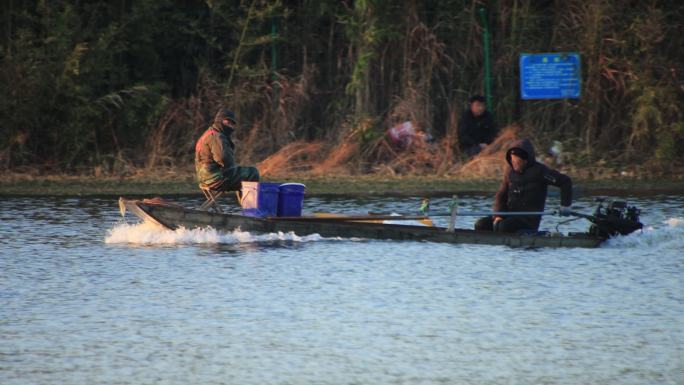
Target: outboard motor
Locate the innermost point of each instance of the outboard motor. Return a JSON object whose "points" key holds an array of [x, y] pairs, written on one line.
{"points": [[615, 219]]}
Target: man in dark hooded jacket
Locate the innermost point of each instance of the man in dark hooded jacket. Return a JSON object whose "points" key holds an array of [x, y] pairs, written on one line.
{"points": [[524, 188], [476, 128], [214, 156]]}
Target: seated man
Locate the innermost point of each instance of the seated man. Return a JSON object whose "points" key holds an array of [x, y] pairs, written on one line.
{"points": [[524, 188], [214, 159], [476, 129]]}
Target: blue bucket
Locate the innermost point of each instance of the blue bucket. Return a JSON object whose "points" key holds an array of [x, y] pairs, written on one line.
{"points": [[259, 199], [290, 199]]}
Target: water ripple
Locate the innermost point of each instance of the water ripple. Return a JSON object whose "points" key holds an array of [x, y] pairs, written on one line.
{"points": [[86, 298]]}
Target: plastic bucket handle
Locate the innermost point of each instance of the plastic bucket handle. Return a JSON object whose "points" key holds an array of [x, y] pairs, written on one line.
{"points": [[241, 196], [292, 184]]}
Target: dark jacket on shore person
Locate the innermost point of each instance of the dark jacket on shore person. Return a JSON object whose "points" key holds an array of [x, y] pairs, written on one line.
{"points": [[525, 190], [214, 156], [476, 127]]}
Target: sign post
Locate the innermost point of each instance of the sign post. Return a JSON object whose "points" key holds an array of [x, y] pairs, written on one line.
{"points": [[487, 62], [550, 76]]}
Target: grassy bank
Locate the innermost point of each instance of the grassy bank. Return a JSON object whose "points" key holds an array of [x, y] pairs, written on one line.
{"points": [[345, 185]]}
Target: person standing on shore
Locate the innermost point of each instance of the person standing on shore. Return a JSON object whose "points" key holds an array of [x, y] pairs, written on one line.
{"points": [[214, 156], [476, 128]]}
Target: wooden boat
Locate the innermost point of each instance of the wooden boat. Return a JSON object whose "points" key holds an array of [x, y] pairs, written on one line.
{"points": [[173, 216]]}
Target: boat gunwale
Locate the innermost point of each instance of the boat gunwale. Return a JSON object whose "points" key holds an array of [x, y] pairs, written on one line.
{"points": [[511, 239]]}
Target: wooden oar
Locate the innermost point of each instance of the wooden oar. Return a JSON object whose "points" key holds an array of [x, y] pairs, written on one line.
{"points": [[504, 213], [483, 213], [355, 218], [372, 216]]}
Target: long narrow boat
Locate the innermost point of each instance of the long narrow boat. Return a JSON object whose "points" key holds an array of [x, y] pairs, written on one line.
{"points": [[173, 216]]}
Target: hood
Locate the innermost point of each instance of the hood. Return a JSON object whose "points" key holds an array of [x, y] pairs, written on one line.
{"points": [[224, 113], [524, 145]]}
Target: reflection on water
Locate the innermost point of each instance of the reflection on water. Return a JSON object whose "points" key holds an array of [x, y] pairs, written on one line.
{"points": [[88, 298]]}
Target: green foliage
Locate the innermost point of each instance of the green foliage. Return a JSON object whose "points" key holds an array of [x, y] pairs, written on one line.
{"points": [[368, 132], [669, 143], [83, 83]]}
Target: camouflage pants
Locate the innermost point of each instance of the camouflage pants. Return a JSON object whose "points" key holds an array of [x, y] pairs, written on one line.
{"points": [[234, 176]]}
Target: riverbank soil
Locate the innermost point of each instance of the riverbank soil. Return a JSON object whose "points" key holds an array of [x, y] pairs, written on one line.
{"points": [[172, 183]]}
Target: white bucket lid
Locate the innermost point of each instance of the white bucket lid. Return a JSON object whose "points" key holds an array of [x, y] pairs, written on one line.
{"points": [[293, 184]]}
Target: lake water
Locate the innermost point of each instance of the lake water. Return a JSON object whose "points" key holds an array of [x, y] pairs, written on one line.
{"points": [[86, 298]]}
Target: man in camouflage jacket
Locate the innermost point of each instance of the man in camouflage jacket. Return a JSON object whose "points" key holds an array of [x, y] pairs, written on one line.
{"points": [[214, 156]]}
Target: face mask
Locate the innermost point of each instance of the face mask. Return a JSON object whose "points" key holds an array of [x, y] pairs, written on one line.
{"points": [[227, 127]]}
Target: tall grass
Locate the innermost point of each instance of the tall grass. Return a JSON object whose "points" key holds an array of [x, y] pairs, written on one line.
{"points": [[115, 86]]}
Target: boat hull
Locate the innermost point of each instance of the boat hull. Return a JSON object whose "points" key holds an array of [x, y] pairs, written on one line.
{"points": [[173, 216]]}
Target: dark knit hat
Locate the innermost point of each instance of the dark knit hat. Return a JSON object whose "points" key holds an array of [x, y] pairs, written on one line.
{"points": [[229, 114], [477, 98], [224, 113]]}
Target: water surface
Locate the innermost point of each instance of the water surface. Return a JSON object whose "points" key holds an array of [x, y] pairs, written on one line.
{"points": [[86, 298]]}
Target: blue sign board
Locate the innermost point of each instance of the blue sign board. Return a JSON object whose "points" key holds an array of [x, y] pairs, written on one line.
{"points": [[550, 75]]}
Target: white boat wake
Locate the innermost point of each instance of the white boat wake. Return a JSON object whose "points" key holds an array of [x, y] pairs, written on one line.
{"points": [[669, 236], [147, 233]]}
